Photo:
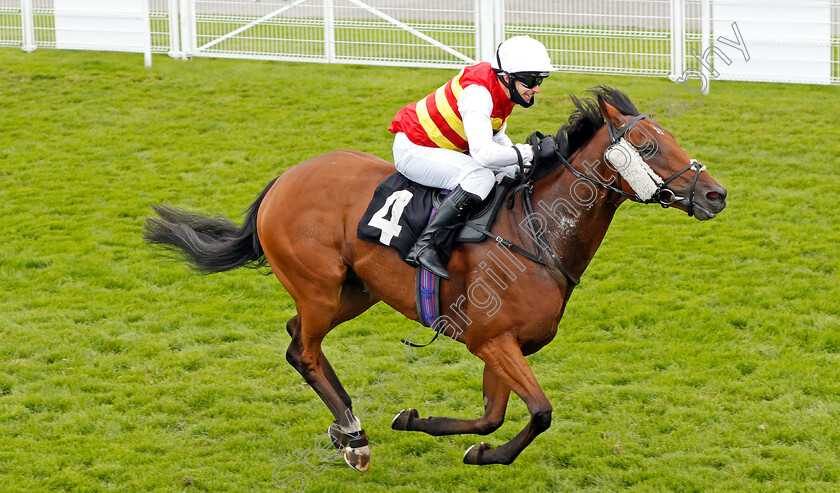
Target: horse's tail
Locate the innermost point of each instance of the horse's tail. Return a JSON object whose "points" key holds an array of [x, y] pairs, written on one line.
{"points": [[210, 244]]}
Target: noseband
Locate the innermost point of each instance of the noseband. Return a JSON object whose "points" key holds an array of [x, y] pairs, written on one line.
{"points": [[663, 196]]}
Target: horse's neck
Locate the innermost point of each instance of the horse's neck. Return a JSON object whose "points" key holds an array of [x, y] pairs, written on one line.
{"points": [[575, 213]]}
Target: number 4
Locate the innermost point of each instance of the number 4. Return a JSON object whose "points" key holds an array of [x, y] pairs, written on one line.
{"points": [[391, 228]]}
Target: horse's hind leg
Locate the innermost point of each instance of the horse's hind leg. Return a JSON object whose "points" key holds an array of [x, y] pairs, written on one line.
{"points": [[496, 395], [292, 327], [354, 301], [315, 319]]}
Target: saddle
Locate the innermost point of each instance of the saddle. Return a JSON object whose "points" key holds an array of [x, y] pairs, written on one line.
{"points": [[484, 214], [400, 210]]}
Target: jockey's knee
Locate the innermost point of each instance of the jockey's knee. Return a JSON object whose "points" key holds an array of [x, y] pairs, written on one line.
{"points": [[479, 181]]}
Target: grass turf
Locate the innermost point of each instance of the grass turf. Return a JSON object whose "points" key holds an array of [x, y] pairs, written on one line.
{"points": [[693, 357]]}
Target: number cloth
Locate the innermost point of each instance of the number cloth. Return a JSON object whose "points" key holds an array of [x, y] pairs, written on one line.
{"points": [[397, 214]]}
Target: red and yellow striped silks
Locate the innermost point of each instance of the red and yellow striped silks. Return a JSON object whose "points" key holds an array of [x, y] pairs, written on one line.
{"points": [[435, 121]]}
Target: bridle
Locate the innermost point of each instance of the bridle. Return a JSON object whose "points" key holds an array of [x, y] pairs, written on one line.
{"points": [[659, 195], [527, 187]]}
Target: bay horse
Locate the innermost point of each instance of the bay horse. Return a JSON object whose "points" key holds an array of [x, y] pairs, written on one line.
{"points": [[304, 225]]}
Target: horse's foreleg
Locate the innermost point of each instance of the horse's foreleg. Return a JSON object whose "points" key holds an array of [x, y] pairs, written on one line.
{"points": [[496, 395], [505, 359]]}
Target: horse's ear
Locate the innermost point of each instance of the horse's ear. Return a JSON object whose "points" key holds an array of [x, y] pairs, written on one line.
{"points": [[609, 112]]}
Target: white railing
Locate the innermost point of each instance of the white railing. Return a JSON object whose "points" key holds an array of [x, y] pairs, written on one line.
{"points": [[615, 37], [631, 37], [11, 28], [835, 42], [434, 33]]}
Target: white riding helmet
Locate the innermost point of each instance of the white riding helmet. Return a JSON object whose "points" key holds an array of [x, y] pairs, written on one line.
{"points": [[522, 54]]}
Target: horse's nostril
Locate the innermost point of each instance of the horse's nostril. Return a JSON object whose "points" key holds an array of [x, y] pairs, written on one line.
{"points": [[715, 196]]}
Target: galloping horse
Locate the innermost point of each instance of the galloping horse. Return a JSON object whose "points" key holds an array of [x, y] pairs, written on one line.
{"points": [[304, 226]]}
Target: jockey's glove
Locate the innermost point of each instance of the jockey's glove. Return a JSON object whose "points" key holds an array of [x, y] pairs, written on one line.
{"points": [[546, 147], [526, 151]]}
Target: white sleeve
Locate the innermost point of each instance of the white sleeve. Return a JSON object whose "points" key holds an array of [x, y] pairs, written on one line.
{"points": [[475, 106], [501, 137]]}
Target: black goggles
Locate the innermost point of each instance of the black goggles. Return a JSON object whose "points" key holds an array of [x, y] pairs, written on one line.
{"points": [[530, 80]]}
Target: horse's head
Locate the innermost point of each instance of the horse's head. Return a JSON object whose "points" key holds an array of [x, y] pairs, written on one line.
{"points": [[651, 166]]}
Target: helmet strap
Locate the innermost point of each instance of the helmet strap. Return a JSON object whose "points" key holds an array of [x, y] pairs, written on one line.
{"points": [[514, 94]]}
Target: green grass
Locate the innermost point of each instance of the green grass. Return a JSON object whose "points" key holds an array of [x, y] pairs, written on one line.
{"points": [[693, 357]]}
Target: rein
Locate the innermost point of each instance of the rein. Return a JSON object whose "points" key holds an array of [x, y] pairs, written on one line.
{"points": [[527, 188]]}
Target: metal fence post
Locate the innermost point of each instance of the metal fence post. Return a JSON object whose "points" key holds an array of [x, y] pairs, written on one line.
{"points": [[485, 29], [28, 26], [147, 32], [174, 30], [188, 28], [677, 39], [329, 30], [498, 24], [490, 31], [705, 40]]}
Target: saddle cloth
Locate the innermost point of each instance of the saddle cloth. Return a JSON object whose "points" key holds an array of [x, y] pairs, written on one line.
{"points": [[398, 213], [400, 209]]}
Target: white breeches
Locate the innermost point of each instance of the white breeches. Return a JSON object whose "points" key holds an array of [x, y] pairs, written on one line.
{"points": [[443, 168]]}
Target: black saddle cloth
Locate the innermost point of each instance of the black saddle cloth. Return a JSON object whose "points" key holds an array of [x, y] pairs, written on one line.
{"points": [[400, 209]]}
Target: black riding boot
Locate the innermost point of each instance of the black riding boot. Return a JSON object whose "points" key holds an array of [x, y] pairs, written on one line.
{"points": [[453, 210]]}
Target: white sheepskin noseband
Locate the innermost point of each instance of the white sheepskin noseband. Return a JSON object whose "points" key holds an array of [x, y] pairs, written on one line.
{"points": [[627, 161]]}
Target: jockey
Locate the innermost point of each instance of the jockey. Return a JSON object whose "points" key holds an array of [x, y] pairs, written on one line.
{"points": [[455, 137]]}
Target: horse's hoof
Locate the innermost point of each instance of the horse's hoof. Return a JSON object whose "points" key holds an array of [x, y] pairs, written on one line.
{"points": [[358, 458], [403, 419], [474, 454]]}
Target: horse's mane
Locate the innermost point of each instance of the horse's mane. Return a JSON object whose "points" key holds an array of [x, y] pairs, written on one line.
{"points": [[583, 123], [587, 119]]}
